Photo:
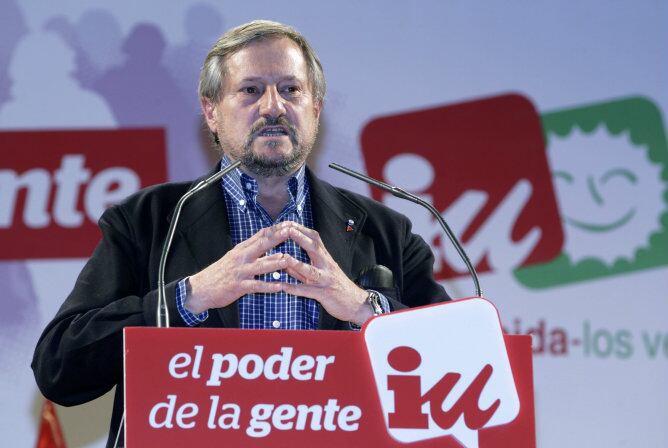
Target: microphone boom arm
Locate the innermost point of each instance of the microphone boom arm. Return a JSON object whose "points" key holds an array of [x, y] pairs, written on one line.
{"points": [[398, 192]]}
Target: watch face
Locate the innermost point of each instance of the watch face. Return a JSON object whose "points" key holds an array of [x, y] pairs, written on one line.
{"points": [[374, 301]]}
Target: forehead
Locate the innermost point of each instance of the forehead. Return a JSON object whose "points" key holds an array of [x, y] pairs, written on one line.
{"points": [[270, 59]]}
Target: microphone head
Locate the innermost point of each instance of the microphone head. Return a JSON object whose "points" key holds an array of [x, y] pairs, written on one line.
{"points": [[377, 276]]}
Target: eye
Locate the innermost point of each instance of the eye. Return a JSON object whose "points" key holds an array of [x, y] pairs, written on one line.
{"points": [[250, 90], [291, 90], [568, 177], [619, 172]]}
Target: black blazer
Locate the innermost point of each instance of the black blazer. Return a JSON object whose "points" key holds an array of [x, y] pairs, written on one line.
{"points": [[79, 356]]}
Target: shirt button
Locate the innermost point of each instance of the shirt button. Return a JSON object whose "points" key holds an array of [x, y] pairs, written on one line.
{"points": [[299, 208], [275, 324], [276, 276], [242, 202], [248, 185]]}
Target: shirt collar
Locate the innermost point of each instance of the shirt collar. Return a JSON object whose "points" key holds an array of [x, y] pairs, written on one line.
{"points": [[243, 188]]}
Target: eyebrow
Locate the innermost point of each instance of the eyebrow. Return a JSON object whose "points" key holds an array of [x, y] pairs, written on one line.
{"points": [[261, 78]]}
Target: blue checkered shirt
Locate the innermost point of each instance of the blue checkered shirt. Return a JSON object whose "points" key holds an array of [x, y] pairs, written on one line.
{"points": [[246, 217]]}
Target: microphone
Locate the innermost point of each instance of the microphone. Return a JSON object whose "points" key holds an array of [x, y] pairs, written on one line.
{"points": [[162, 313], [377, 276], [398, 192]]}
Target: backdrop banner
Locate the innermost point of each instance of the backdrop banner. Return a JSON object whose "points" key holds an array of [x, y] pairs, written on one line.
{"points": [[536, 129]]}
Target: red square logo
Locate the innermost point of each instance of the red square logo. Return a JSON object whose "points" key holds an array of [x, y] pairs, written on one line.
{"points": [[483, 165]]}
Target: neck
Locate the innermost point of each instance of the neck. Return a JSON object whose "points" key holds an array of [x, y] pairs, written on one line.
{"points": [[272, 194]]}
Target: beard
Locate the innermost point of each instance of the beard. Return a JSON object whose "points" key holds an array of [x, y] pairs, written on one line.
{"points": [[264, 166]]}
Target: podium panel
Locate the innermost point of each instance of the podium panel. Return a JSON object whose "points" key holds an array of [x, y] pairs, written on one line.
{"points": [[412, 378]]}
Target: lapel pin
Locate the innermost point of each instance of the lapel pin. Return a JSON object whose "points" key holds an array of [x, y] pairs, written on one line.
{"points": [[349, 227]]}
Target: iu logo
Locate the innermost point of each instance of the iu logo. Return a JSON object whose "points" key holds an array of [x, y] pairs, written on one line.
{"points": [[408, 398], [450, 383], [483, 165]]}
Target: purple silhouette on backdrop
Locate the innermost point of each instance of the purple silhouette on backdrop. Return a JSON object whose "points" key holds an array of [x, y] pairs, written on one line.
{"points": [[140, 90], [103, 52], [203, 25], [12, 29], [96, 39], [18, 291]]}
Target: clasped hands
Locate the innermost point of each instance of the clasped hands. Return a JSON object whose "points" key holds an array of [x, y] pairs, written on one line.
{"points": [[233, 275]]}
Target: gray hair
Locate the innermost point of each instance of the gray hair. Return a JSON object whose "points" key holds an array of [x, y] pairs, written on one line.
{"points": [[213, 71]]}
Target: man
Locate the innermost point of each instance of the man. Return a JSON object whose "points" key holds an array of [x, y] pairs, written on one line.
{"points": [[273, 247]]}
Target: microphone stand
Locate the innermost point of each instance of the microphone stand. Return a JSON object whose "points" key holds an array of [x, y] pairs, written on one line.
{"points": [[162, 313], [398, 192]]}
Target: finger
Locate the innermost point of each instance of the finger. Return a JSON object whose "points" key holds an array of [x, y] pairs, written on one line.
{"points": [[264, 240], [312, 292], [263, 265], [262, 233], [259, 286], [311, 233], [296, 274], [312, 247], [305, 273]]}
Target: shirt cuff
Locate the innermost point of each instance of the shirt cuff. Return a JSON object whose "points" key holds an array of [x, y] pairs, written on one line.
{"points": [[189, 318], [384, 305]]}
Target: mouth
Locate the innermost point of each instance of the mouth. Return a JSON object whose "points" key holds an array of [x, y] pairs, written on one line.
{"points": [[590, 227], [273, 131]]}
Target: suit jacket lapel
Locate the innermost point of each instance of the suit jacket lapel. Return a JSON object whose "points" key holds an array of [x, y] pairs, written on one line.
{"points": [[331, 213], [205, 228]]}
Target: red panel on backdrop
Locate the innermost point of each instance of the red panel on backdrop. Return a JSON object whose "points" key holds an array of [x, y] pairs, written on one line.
{"points": [[54, 185], [487, 145]]}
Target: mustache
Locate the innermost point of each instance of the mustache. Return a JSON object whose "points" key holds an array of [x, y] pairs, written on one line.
{"points": [[272, 121]]}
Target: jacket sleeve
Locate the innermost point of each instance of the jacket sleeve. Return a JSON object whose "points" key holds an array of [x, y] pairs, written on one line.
{"points": [[79, 356]]}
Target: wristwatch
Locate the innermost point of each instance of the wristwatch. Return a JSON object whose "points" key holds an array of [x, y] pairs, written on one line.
{"points": [[373, 299]]}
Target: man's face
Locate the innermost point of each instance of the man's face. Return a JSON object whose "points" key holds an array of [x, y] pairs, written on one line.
{"points": [[266, 116]]}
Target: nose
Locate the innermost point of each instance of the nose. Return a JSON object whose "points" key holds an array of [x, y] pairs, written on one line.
{"points": [[591, 184], [272, 103]]}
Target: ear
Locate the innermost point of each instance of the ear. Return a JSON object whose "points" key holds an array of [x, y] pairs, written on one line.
{"points": [[317, 107], [210, 113]]}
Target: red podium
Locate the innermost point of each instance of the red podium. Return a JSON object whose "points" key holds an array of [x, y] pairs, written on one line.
{"points": [[437, 376]]}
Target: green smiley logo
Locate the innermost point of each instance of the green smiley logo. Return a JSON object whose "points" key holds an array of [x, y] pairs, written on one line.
{"points": [[609, 164], [599, 199]]}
